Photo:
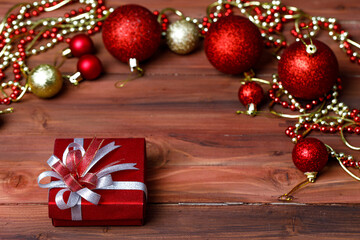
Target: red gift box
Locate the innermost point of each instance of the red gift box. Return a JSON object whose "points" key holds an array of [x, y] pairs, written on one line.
{"points": [[116, 206]]}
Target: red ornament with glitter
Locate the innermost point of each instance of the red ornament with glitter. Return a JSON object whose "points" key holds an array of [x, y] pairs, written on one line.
{"points": [[89, 66], [310, 155], [80, 45], [307, 72], [251, 93], [131, 31], [233, 44]]}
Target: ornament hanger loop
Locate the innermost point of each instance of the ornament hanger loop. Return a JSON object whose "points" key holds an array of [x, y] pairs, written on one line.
{"points": [[250, 76], [177, 12], [135, 69], [288, 197]]}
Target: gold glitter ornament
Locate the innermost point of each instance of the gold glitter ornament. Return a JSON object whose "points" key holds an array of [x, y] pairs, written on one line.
{"points": [[182, 37], [45, 81]]}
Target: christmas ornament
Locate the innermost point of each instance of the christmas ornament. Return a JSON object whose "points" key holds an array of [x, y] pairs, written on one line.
{"points": [[233, 44], [89, 66], [308, 70], [250, 95], [80, 45], [45, 81], [131, 31], [182, 37], [310, 155]]}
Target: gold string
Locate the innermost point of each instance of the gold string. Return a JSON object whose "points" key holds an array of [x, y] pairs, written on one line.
{"points": [[288, 197], [344, 139], [57, 6], [139, 73], [353, 43], [261, 80], [8, 110]]}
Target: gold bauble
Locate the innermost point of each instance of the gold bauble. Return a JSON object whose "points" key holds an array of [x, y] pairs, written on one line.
{"points": [[182, 37], [45, 81]]}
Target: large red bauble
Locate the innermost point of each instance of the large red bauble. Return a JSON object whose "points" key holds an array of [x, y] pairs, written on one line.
{"points": [[131, 31], [310, 155], [89, 66], [308, 76], [80, 45], [233, 44], [250, 92]]}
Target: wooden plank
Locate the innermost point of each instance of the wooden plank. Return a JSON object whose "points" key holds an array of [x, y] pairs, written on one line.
{"points": [[173, 184], [189, 135], [197, 222]]}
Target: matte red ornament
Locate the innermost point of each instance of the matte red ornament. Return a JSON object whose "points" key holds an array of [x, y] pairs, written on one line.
{"points": [[233, 44], [250, 92], [80, 45], [89, 66], [131, 31], [308, 76], [310, 155]]}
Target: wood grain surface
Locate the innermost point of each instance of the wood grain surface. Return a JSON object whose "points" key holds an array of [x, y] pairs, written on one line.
{"points": [[211, 173]]}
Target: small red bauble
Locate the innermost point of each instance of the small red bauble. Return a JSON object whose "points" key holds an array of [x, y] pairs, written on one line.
{"points": [[310, 155], [308, 76], [80, 45], [131, 31], [250, 92], [89, 66], [233, 44]]}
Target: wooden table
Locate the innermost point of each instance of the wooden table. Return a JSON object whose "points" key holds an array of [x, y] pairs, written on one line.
{"points": [[211, 173]]}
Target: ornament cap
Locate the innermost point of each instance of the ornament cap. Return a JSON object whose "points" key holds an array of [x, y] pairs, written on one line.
{"points": [[76, 78], [251, 111], [311, 176], [134, 64], [311, 49], [67, 53]]}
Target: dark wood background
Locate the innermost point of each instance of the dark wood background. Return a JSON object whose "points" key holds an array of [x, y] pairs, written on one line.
{"points": [[211, 173]]}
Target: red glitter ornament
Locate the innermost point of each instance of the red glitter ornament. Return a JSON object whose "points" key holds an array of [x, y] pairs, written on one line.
{"points": [[310, 155], [250, 93], [80, 45], [131, 31], [233, 44], [308, 76], [89, 66]]}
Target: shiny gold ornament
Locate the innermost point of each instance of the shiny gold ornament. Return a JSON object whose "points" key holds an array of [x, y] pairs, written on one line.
{"points": [[45, 81], [182, 37]]}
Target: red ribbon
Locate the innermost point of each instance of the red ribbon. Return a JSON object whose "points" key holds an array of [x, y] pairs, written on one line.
{"points": [[76, 165]]}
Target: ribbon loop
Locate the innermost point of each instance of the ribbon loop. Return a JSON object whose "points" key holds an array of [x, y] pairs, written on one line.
{"points": [[72, 201]]}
